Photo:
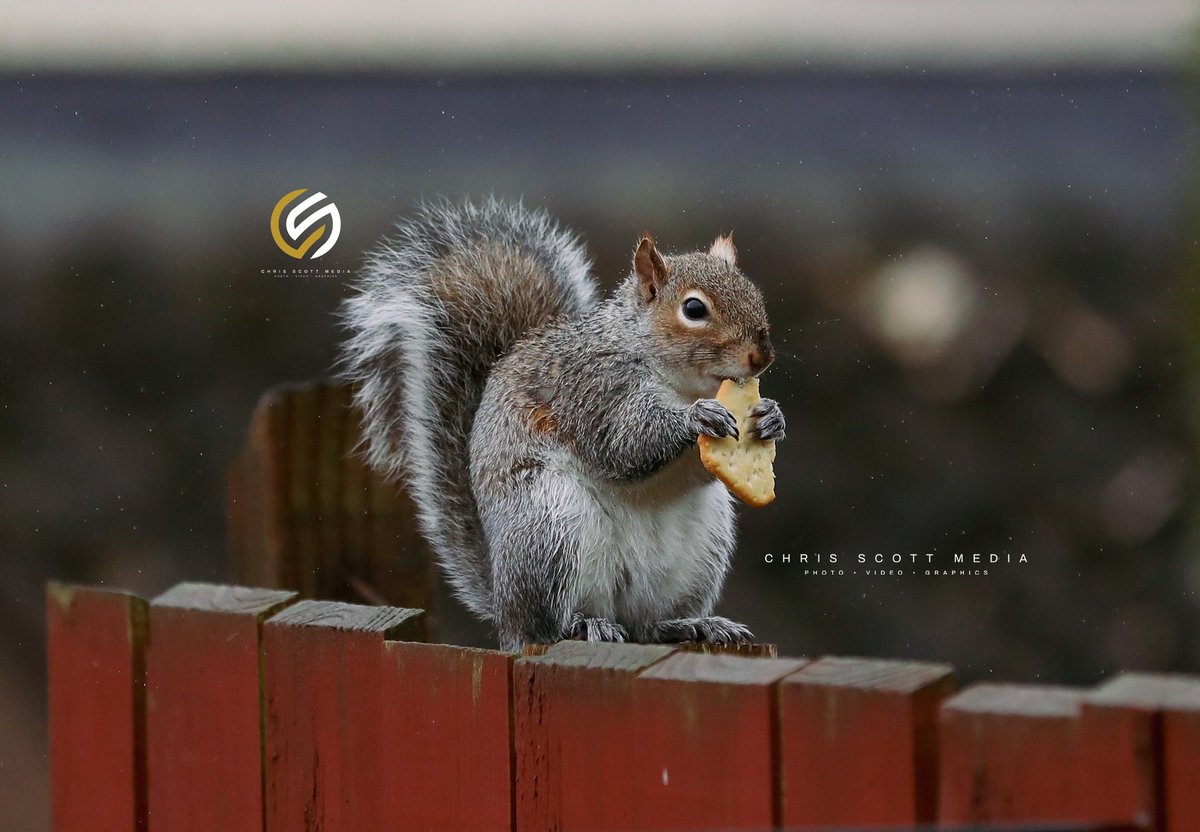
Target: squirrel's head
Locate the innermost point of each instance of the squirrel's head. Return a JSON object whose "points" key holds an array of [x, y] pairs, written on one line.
{"points": [[706, 318]]}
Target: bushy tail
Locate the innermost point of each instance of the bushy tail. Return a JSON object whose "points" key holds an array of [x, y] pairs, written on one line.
{"points": [[437, 304]]}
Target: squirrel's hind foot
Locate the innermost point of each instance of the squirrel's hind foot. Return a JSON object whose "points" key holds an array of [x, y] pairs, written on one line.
{"points": [[712, 629], [595, 629]]}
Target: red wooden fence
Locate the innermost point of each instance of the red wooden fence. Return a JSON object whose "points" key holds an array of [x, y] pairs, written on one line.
{"points": [[223, 708]]}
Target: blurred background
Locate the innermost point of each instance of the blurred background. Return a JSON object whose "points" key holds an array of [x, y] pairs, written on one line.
{"points": [[974, 224]]}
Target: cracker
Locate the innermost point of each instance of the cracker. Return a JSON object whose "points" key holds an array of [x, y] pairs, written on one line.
{"points": [[743, 464]]}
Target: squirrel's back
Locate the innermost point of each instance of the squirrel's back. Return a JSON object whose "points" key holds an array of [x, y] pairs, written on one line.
{"points": [[438, 303]]}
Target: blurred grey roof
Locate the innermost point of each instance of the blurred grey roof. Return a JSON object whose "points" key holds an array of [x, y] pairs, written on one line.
{"points": [[553, 35]]}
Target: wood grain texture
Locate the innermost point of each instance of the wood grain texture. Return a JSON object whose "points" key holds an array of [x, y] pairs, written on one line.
{"points": [[204, 745], [257, 517], [765, 651], [307, 514], [858, 741], [705, 749], [155, 721], [385, 622], [324, 681], [1181, 766], [446, 738], [300, 482], [334, 417], [723, 669], [95, 641], [1012, 753], [1142, 735], [756, 650], [223, 598], [576, 748], [352, 503]]}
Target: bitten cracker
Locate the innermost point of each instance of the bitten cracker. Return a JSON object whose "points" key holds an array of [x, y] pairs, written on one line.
{"points": [[743, 464]]}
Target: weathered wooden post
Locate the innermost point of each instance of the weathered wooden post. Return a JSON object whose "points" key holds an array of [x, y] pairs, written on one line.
{"points": [[307, 514]]}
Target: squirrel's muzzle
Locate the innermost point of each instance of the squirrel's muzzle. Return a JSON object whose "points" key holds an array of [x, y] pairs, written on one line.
{"points": [[761, 354]]}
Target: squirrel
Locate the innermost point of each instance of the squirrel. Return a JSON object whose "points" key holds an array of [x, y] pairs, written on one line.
{"points": [[544, 432]]}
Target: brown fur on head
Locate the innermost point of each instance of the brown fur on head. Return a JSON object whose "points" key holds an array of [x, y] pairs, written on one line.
{"points": [[707, 320]]}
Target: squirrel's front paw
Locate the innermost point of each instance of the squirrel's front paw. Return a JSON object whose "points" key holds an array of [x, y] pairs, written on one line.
{"points": [[712, 629], [711, 418], [768, 420], [595, 629]]}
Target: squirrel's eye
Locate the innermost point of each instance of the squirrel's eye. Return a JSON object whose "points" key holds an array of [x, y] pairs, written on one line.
{"points": [[695, 309]]}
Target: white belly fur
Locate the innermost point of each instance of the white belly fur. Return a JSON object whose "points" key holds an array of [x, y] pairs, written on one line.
{"points": [[650, 543]]}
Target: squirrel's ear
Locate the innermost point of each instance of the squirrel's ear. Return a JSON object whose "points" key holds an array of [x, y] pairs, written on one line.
{"points": [[650, 267], [722, 248]]}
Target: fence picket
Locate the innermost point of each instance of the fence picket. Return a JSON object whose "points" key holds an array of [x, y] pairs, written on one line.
{"points": [[706, 742], [220, 707], [575, 744], [858, 741], [323, 691], [97, 746], [203, 708], [447, 737], [1011, 753]]}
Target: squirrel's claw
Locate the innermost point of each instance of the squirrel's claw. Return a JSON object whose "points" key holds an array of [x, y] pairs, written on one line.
{"points": [[768, 421], [712, 629], [582, 628], [711, 418]]}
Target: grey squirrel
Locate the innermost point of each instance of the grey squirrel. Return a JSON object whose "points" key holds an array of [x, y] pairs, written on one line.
{"points": [[546, 435]]}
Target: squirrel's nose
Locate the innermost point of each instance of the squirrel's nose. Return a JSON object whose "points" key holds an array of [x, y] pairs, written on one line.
{"points": [[761, 355]]}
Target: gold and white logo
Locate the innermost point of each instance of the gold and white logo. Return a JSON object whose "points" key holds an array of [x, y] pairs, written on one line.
{"points": [[295, 227]]}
